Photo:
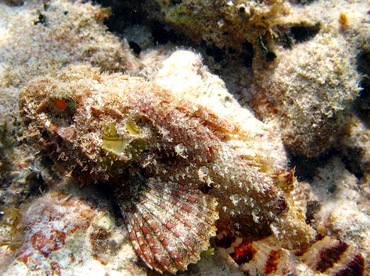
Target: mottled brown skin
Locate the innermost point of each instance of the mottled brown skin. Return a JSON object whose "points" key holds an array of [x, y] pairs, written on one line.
{"points": [[144, 141]]}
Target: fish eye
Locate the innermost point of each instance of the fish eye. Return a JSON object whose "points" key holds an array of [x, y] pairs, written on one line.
{"points": [[60, 104], [60, 109]]}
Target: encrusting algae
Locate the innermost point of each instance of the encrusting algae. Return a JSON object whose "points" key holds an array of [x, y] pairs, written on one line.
{"points": [[178, 171]]}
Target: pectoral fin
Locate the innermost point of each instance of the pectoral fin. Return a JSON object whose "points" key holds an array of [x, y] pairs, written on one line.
{"points": [[171, 224]]}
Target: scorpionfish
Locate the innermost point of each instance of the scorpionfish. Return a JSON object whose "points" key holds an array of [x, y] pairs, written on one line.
{"points": [[179, 172]]}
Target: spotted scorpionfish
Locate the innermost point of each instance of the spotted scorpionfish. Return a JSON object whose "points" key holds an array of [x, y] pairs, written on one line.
{"points": [[179, 172]]}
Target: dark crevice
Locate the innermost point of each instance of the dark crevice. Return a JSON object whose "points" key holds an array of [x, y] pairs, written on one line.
{"points": [[163, 35], [302, 33], [352, 162], [306, 168], [302, 2], [14, 2], [361, 106], [135, 47]]}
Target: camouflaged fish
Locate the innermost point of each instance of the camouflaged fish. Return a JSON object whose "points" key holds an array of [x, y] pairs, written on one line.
{"points": [[178, 171]]}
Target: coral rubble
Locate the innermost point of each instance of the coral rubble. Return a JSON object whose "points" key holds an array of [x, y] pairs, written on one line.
{"points": [[310, 87], [67, 232], [223, 23], [344, 209]]}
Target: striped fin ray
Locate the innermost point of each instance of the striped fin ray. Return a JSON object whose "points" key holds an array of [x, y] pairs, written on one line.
{"points": [[326, 256]]}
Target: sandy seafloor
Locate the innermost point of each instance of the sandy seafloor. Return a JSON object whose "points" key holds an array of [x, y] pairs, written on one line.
{"points": [[294, 73]]}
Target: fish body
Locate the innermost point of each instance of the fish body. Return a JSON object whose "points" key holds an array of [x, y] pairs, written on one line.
{"points": [[179, 171]]}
